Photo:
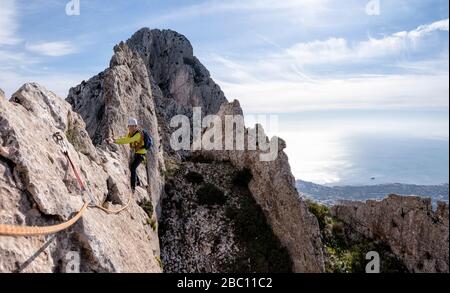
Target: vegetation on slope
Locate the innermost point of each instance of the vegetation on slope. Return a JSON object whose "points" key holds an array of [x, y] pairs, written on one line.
{"points": [[345, 254]]}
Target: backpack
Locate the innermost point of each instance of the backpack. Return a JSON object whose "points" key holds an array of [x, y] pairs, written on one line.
{"points": [[147, 139]]}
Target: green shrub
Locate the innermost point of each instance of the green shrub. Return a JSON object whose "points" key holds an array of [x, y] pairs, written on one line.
{"points": [[153, 224], [209, 194], [194, 177], [243, 177], [343, 255], [171, 167], [321, 212], [337, 228], [159, 261]]}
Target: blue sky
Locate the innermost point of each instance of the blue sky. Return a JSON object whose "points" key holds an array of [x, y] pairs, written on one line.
{"points": [[287, 57], [306, 54]]}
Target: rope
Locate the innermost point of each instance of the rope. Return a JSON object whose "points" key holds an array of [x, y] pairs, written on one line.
{"points": [[11, 230], [115, 211]]}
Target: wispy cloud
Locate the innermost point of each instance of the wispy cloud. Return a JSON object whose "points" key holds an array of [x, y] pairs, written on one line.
{"points": [[299, 62], [370, 92], [340, 50], [53, 49], [281, 76], [425, 29], [8, 23]]}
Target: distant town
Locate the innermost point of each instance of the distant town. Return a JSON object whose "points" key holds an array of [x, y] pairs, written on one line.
{"points": [[331, 195]]}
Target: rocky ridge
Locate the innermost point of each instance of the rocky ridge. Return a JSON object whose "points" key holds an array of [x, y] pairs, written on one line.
{"points": [[37, 187], [416, 234], [179, 82]]}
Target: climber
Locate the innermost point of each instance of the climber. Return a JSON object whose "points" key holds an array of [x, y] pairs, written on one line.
{"points": [[140, 142]]}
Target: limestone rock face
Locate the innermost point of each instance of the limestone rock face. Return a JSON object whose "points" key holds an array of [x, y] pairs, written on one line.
{"points": [[2, 94], [184, 82], [220, 230], [179, 81], [416, 234], [273, 187], [196, 238], [106, 101], [38, 188]]}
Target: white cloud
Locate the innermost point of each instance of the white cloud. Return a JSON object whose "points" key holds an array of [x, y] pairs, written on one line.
{"points": [[53, 49], [339, 50], [8, 22], [370, 92], [335, 54], [425, 29], [278, 82], [317, 52]]}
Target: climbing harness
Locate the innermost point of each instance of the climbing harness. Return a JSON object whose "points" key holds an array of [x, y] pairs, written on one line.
{"points": [[10, 230]]}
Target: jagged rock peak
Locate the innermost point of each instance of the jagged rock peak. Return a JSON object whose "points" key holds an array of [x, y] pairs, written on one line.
{"points": [[2, 94], [122, 55], [175, 70], [167, 42]]}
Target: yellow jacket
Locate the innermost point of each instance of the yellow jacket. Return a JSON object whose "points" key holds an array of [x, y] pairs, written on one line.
{"points": [[136, 142]]}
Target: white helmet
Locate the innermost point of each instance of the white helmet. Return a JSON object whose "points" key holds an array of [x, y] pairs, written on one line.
{"points": [[132, 122]]}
